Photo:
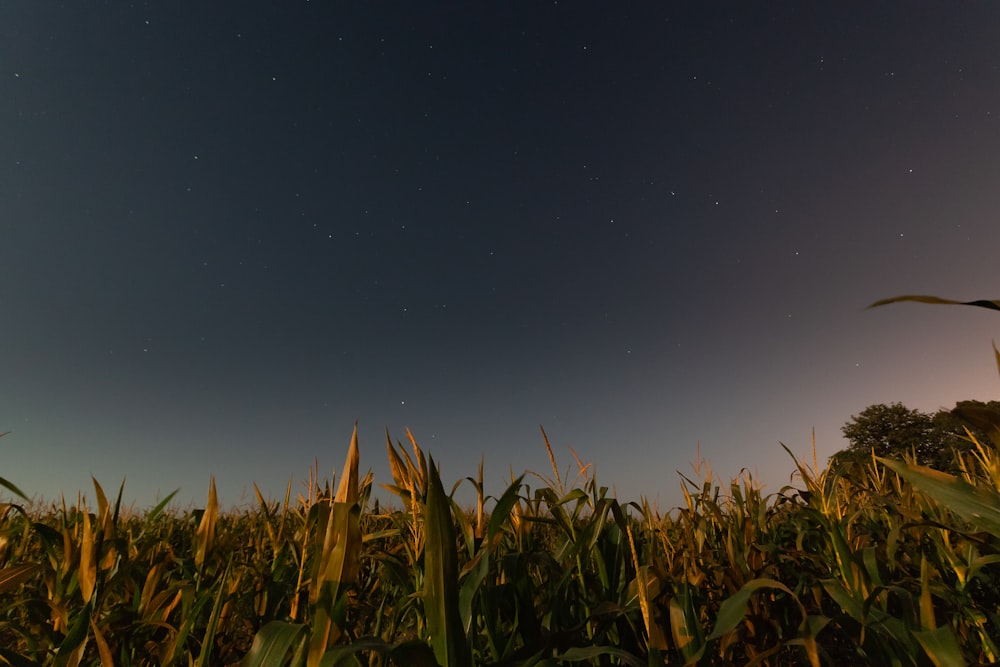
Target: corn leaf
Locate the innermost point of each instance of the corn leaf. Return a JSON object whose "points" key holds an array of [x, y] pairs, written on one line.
{"points": [[647, 583], [8, 485], [400, 473], [208, 640], [978, 506], [274, 642], [11, 577], [73, 644], [941, 647], [921, 298], [734, 608], [685, 626], [440, 593], [87, 573], [339, 559], [205, 536], [103, 650], [160, 506], [13, 489]]}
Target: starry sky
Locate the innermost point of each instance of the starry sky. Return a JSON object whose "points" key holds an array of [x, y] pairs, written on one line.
{"points": [[229, 230]]}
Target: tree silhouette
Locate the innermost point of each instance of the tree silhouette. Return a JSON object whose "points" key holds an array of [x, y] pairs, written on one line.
{"points": [[932, 439]]}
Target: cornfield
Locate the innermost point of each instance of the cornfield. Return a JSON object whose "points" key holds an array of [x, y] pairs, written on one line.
{"points": [[881, 563]]}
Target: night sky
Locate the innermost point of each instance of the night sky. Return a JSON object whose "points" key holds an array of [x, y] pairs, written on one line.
{"points": [[229, 230]]}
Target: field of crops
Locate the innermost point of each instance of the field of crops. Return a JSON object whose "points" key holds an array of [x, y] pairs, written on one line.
{"points": [[882, 564]]}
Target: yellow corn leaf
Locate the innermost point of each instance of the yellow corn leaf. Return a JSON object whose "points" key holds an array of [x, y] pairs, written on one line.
{"points": [[103, 508], [339, 558], [656, 638], [205, 537], [149, 587], [14, 576], [87, 573], [348, 490], [396, 465], [103, 650], [927, 620], [421, 460]]}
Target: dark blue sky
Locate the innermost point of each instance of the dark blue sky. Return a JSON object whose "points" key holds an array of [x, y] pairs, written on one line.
{"points": [[229, 230]]}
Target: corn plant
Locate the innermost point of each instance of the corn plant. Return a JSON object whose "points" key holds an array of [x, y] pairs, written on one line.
{"points": [[881, 562]]}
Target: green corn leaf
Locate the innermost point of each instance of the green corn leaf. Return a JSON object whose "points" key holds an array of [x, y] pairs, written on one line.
{"points": [[501, 511], [941, 647], [177, 645], [156, 511], [976, 505], [849, 603], [273, 644], [8, 485], [75, 641], [477, 570], [413, 653], [440, 593], [13, 489], [208, 640], [734, 608], [685, 627]]}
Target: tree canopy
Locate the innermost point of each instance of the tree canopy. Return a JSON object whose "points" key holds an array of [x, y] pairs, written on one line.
{"points": [[896, 431]]}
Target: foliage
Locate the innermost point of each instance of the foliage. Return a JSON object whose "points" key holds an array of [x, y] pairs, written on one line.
{"points": [[872, 562], [866, 568], [896, 431]]}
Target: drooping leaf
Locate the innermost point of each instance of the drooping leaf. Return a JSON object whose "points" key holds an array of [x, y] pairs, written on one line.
{"points": [[922, 298], [8, 485], [13, 489], [991, 304], [977, 505]]}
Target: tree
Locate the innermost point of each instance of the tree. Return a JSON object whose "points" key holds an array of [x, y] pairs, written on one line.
{"points": [[898, 432], [983, 419]]}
